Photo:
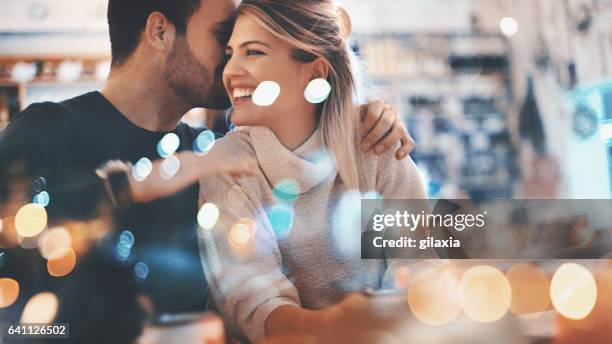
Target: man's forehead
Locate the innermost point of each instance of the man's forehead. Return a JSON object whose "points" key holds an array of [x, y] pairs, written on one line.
{"points": [[215, 11]]}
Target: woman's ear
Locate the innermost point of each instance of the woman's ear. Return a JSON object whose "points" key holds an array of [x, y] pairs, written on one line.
{"points": [[159, 32], [320, 69]]}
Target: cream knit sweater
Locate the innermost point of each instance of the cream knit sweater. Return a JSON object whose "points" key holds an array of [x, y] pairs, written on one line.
{"points": [[309, 266]]}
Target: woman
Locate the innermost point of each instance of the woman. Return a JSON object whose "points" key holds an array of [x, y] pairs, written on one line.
{"points": [[271, 256]]}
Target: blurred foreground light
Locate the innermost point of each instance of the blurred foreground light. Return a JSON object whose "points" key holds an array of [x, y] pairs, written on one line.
{"points": [[42, 198], [141, 271], [317, 91], [23, 72], [61, 262], [8, 235], [168, 145], [508, 26], [170, 167], [31, 219], [605, 132], [142, 169], [286, 191], [40, 309], [346, 224], [485, 294], [208, 216], [204, 142], [241, 234], [573, 291], [54, 239], [281, 219], [402, 277], [9, 292], [266, 93], [433, 296], [127, 239], [530, 289]]}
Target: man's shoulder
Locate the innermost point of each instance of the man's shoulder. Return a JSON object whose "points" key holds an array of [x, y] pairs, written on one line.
{"points": [[49, 112]]}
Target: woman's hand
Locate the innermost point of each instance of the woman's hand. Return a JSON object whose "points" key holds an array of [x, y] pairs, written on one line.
{"points": [[193, 167], [382, 128]]}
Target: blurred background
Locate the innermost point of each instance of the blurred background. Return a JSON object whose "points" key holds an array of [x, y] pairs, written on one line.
{"points": [[504, 98]]}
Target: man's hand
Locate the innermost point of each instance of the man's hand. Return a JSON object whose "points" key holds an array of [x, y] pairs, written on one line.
{"points": [[382, 128], [193, 167]]}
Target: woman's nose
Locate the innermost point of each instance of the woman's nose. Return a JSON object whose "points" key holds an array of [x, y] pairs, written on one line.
{"points": [[233, 67]]}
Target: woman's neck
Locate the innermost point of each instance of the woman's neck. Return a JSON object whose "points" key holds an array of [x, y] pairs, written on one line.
{"points": [[295, 128]]}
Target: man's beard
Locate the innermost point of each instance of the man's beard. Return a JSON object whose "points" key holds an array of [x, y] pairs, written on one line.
{"points": [[191, 81]]}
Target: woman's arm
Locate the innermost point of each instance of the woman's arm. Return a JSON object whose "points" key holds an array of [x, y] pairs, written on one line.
{"points": [[241, 258]]}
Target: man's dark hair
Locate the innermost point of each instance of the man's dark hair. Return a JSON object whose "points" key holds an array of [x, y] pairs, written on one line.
{"points": [[127, 20]]}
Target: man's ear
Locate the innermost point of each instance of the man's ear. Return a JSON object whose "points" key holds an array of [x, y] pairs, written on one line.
{"points": [[159, 32], [320, 69]]}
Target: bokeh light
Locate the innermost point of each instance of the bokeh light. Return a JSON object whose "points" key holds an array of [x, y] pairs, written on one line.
{"points": [[266, 93], [433, 296], [204, 142], [42, 198], [170, 167], [281, 219], [241, 234], [168, 145], [286, 191], [69, 71], [61, 262], [141, 271], [9, 292], [8, 236], [31, 219], [346, 232], [485, 294], [23, 72], [208, 216], [324, 166], [54, 239], [40, 309], [402, 277], [1, 225], [573, 291], [508, 26], [142, 169], [530, 289], [318, 91], [124, 245], [30, 242]]}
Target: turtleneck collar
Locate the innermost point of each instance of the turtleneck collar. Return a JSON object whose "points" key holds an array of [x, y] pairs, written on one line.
{"points": [[308, 165]]}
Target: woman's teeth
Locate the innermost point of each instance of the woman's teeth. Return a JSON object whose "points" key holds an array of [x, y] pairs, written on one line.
{"points": [[243, 93]]}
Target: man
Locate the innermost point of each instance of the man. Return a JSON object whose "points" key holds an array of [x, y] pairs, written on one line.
{"points": [[167, 56]]}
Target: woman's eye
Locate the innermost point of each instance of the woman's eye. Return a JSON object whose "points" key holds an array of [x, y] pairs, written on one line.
{"points": [[251, 52]]}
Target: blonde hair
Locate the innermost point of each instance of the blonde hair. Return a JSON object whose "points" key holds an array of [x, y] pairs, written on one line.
{"points": [[314, 28]]}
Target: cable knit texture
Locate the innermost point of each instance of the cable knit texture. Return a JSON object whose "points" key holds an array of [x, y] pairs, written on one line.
{"points": [[309, 266]]}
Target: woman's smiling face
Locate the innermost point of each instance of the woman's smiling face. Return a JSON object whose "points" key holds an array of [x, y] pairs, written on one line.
{"points": [[255, 55]]}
